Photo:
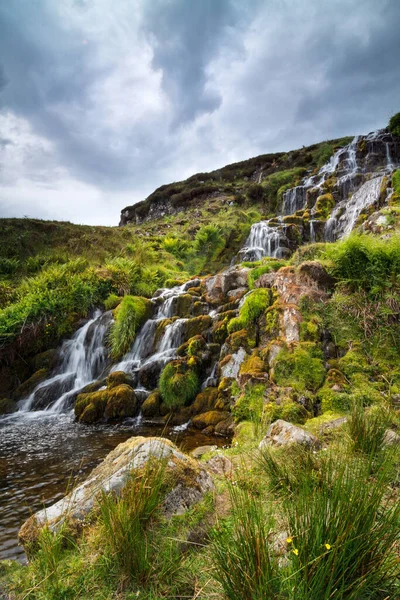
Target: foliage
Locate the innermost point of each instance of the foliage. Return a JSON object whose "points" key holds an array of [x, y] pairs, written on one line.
{"points": [[302, 368], [394, 124], [249, 405], [267, 267], [244, 562], [209, 241], [125, 524], [179, 384], [367, 429], [129, 317]]}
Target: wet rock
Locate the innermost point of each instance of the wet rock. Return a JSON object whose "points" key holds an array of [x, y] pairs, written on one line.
{"points": [[231, 367], [7, 406], [191, 482], [26, 388], [205, 401], [210, 418], [151, 406], [51, 390], [45, 360], [117, 378], [225, 428], [282, 433], [121, 402]]}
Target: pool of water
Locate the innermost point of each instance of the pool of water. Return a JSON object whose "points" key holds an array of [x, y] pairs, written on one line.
{"points": [[42, 455]]}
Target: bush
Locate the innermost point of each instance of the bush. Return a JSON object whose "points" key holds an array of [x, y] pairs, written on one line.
{"points": [[209, 241], [179, 384], [255, 192], [394, 124], [302, 369], [129, 317], [367, 263], [9, 266]]}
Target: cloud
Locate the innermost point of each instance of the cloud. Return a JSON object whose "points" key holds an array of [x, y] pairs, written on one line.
{"points": [[102, 101]]}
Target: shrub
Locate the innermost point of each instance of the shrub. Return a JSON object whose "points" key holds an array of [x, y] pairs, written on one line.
{"points": [[255, 192], [394, 124], [209, 241], [9, 266], [302, 369], [130, 316], [112, 301], [176, 246], [179, 384]]}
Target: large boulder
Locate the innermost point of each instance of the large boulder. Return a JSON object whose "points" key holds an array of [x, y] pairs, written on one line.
{"points": [[191, 482], [282, 433], [218, 286]]}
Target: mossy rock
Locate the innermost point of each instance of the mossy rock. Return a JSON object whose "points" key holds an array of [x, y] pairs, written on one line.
{"points": [[287, 409], [193, 347], [121, 402], [334, 401], [45, 360], [197, 325], [205, 401], [354, 361], [93, 387], [200, 308], [117, 378], [179, 383], [183, 305], [151, 406], [27, 387], [252, 368], [220, 331], [240, 339], [324, 205], [209, 419], [293, 220], [89, 408], [7, 406], [329, 184], [178, 417]]}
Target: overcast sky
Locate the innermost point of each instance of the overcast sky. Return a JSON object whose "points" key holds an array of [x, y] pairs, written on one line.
{"points": [[101, 101]]}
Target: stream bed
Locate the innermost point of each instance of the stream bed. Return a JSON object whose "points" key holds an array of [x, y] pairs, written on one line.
{"points": [[42, 455]]}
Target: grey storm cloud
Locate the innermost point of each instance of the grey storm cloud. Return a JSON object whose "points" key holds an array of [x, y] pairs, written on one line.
{"points": [[102, 101]]}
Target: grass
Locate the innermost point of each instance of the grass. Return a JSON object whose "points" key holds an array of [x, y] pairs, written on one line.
{"points": [[129, 317]]}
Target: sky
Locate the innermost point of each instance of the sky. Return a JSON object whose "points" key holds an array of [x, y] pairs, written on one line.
{"points": [[102, 101]]}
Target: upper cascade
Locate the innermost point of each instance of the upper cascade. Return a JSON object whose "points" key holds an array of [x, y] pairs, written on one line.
{"points": [[327, 205]]}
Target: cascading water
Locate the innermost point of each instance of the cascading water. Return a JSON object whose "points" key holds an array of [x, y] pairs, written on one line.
{"points": [[355, 173], [82, 359]]}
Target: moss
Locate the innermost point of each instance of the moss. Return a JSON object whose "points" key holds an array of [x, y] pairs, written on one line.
{"points": [[112, 301], [220, 331], [45, 360], [287, 409], [205, 401], [121, 402], [310, 331], [354, 361], [272, 321], [324, 205], [253, 366], [193, 347], [184, 305], [197, 325], [249, 404], [301, 368], [7, 406], [116, 378], [240, 339], [209, 418], [292, 220], [151, 406], [26, 388], [129, 317], [90, 407], [179, 384], [333, 401], [329, 184]]}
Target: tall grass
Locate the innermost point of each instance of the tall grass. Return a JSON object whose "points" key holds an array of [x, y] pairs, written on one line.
{"points": [[367, 430], [244, 563], [126, 522]]}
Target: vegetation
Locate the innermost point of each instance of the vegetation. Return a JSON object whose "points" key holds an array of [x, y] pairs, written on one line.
{"points": [[130, 315], [394, 124], [179, 384]]}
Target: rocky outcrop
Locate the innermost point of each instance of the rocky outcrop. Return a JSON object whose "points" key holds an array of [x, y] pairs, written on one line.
{"points": [[227, 285], [282, 433], [191, 482]]}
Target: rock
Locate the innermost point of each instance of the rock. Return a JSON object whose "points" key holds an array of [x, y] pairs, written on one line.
{"points": [[191, 483], [50, 390], [26, 388], [45, 360], [210, 418], [232, 366], [201, 450], [121, 402], [218, 286], [332, 425], [7, 406], [117, 378], [282, 433], [151, 406], [205, 401], [225, 428], [391, 438], [220, 465], [236, 294]]}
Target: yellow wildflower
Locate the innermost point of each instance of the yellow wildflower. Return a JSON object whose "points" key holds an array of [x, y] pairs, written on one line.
{"points": [[295, 551], [289, 540], [328, 546]]}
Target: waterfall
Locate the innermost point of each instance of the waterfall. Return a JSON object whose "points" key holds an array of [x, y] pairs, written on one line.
{"points": [[82, 360], [263, 240], [389, 162], [294, 200], [312, 232]]}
